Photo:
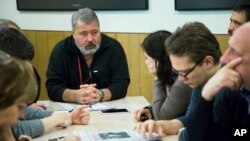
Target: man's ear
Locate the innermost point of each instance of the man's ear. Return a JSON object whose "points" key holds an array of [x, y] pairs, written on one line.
{"points": [[208, 61]]}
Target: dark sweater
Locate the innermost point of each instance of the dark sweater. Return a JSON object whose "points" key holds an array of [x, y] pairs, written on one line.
{"points": [[219, 119], [109, 68], [195, 95]]}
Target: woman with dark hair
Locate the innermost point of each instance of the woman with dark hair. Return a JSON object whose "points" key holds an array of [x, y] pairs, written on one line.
{"points": [[171, 96]]}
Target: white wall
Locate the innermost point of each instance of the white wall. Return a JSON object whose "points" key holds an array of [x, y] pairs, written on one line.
{"points": [[161, 15]]}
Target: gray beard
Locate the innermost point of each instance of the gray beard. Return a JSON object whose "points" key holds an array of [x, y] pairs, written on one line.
{"points": [[85, 51]]}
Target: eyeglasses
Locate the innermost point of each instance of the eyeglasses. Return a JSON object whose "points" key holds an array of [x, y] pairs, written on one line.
{"points": [[188, 72]]}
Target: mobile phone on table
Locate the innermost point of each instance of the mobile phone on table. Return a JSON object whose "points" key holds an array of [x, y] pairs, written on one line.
{"points": [[114, 110]]}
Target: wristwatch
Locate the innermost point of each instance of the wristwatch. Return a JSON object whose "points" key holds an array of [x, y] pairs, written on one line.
{"points": [[101, 94]]}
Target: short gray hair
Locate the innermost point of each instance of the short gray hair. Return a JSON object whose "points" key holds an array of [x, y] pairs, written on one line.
{"points": [[85, 15]]}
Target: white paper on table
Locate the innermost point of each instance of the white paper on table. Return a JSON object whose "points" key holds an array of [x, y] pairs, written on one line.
{"points": [[115, 135], [93, 107]]}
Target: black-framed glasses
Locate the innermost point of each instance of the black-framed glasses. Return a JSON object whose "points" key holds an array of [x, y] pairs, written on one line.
{"points": [[188, 72]]}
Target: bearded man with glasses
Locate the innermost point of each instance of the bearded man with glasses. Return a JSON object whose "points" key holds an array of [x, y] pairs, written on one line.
{"points": [[195, 54]]}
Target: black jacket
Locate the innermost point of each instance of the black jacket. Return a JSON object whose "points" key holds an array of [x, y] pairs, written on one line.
{"points": [[218, 120], [109, 68]]}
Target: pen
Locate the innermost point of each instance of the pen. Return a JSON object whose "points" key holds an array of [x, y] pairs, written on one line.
{"points": [[56, 139]]}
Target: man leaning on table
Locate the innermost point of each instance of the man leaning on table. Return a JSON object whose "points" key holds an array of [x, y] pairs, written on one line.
{"points": [[88, 66]]}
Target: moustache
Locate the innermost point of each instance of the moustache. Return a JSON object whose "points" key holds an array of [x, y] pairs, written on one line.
{"points": [[91, 44]]}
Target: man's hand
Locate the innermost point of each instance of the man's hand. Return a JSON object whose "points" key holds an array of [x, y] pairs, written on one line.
{"points": [[225, 77], [87, 94], [87, 86]]}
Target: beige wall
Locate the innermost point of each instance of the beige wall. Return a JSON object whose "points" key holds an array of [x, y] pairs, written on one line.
{"points": [[141, 80]]}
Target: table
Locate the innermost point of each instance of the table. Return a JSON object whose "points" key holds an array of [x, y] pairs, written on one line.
{"points": [[108, 121]]}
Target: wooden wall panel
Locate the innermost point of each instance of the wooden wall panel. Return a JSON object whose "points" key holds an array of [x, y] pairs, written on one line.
{"points": [[124, 40], [141, 81], [223, 41], [41, 58], [134, 64]]}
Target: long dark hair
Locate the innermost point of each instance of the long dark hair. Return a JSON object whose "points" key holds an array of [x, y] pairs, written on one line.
{"points": [[153, 45]]}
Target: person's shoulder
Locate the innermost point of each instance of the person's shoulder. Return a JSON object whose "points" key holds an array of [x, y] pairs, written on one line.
{"points": [[109, 41], [107, 37], [64, 44], [178, 82], [181, 84]]}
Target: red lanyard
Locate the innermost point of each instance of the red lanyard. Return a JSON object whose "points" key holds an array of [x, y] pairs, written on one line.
{"points": [[80, 72]]}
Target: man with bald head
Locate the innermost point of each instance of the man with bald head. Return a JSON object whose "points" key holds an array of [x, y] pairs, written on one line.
{"points": [[224, 106]]}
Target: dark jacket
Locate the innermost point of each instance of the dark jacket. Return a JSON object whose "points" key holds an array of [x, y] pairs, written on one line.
{"points": [[218, 120], [109, 68]]}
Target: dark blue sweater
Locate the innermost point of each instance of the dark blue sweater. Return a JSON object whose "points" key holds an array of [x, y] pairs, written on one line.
{"points": [[218, 120]]}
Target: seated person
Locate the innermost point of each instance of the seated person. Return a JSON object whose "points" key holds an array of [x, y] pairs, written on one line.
{"points": [[14, 93], [194, 53], [88, 66], [224, 104], [171, 97], [35, 122], [25, 52], [240, 15]]}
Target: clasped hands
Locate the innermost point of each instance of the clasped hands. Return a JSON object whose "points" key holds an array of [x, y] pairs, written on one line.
{"points": [[87, 94]]}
